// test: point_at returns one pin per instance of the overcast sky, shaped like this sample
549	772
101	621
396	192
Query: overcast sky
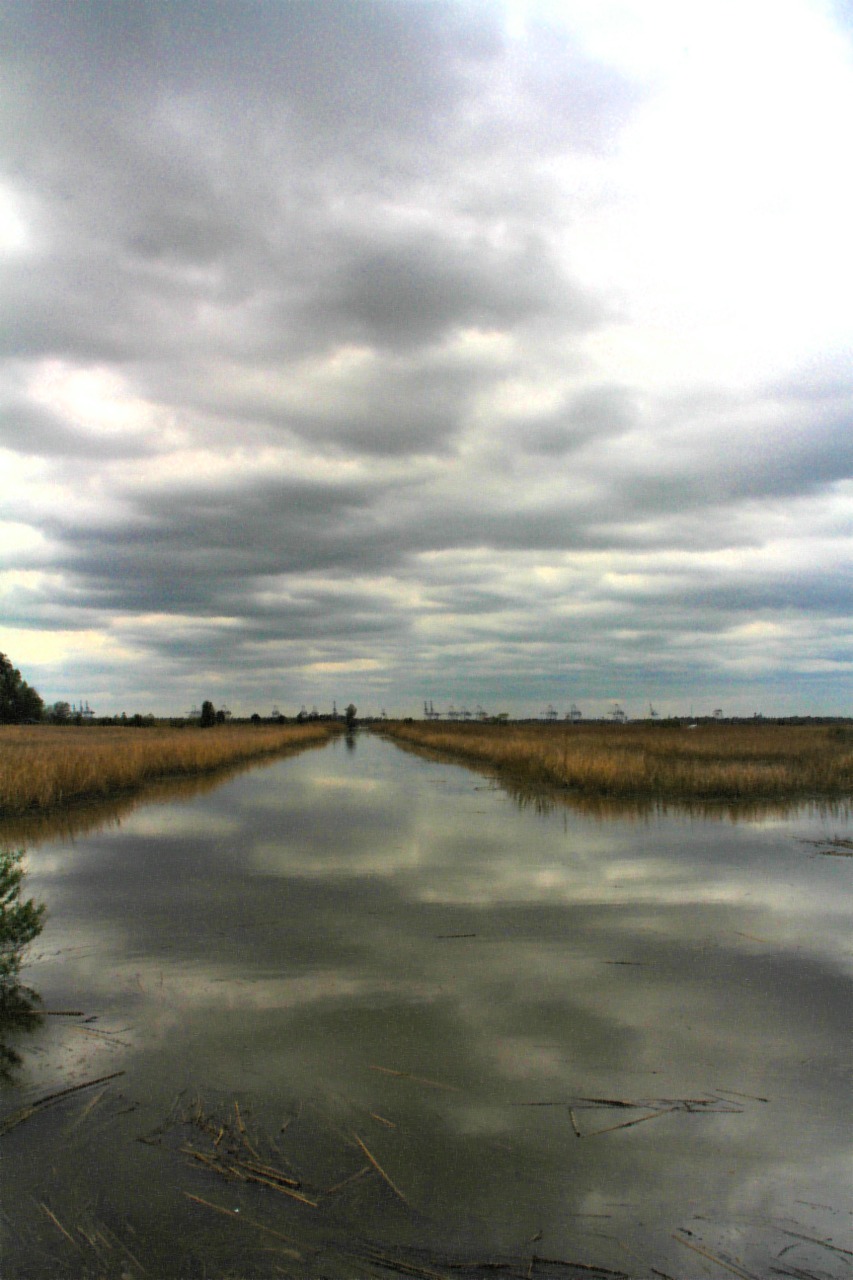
490	353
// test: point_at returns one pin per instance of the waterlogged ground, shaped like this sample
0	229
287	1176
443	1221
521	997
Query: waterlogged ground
469	1030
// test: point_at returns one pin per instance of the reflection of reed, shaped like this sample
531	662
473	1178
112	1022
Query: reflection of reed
77	817
544	795
546	799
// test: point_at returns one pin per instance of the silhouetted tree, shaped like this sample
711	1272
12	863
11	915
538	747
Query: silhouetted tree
18	701
208	715
60	712
350	715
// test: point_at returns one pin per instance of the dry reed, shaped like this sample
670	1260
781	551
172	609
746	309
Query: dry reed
711	762
43	767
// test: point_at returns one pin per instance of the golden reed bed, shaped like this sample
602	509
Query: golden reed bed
42	767
710	762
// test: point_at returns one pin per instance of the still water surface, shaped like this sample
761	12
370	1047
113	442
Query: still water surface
366	950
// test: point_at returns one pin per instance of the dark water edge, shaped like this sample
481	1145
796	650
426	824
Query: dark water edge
392	983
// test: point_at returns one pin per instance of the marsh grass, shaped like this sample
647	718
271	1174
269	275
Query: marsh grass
734	762
43	768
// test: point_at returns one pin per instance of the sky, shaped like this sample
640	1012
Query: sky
496	354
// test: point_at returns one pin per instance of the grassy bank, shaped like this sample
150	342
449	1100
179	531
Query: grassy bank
44	767
711	762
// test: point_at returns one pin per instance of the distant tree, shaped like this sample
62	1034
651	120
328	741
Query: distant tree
255	718
60	712
208	715
18	701
350	715
221	716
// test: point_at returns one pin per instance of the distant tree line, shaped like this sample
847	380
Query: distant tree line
21	704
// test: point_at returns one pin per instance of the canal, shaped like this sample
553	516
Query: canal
356	1013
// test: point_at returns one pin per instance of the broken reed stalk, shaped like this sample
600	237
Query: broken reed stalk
248	1222
407	1075
24	1114
87	1110
274	1186
397	1265
261	1174
378	1167
353	1177
706	1253
59	1225
581	1266
50	1013
625	1124
269	1171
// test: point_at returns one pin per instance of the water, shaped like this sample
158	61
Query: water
365	950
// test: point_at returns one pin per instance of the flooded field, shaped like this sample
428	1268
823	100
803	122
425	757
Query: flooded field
360	1014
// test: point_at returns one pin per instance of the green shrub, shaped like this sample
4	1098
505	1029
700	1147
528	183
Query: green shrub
20	922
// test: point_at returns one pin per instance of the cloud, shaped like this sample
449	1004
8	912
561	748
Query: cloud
376	333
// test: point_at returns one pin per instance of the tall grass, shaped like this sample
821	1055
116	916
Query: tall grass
42	767
710	762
